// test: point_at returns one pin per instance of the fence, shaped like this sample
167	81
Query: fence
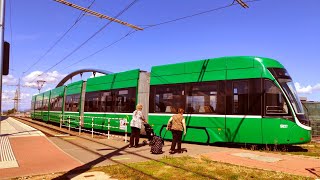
313	111
69	120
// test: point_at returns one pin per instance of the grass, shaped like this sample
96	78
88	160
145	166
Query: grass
312	149
309	149
184	168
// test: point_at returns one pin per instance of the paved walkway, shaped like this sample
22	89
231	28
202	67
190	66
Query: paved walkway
25	151
291	164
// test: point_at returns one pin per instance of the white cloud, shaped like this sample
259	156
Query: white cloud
97	75
9	80
308	89
316	87
8	95
31	80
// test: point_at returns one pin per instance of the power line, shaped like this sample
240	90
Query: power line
54	44
96	52
151	26
197	14
92	36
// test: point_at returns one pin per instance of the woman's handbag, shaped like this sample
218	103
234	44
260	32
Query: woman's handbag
169	126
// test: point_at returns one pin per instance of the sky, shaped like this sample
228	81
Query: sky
42	48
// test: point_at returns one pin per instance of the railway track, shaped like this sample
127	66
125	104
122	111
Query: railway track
83	142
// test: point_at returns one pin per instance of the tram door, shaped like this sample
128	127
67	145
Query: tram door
243	116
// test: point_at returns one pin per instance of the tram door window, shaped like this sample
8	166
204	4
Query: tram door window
240	97
275	103
255	96
221	100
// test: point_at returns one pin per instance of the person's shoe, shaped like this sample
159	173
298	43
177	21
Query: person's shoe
179	151
171	152
135	146
130	146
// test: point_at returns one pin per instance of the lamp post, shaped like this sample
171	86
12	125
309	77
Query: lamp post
40	84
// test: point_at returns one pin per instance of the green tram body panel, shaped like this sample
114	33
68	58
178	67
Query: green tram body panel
46	103
33	101
74	88
248	129
100	121
127	79
203	128
56	116
38	111
113	81
69	116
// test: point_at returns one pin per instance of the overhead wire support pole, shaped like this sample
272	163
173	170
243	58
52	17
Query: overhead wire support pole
98	14
2	9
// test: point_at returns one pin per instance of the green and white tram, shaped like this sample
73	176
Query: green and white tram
229	99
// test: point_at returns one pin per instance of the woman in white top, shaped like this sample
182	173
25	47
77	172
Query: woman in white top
135	124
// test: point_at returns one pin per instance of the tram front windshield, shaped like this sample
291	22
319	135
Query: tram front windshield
285	81
290	90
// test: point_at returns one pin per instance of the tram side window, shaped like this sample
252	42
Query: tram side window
125	100
68	103
76	100
32	105
201	98
56	104
107	101
275	103
167	98
92	102
38	105
72	103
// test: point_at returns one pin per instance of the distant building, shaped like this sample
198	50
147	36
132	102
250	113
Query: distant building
303	99
312	108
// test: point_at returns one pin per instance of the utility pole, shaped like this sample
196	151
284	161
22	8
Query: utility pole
2	8
40	84
17	97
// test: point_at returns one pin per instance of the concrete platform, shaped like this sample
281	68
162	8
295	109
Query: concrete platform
25	151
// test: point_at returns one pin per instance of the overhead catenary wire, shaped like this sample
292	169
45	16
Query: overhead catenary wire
96	52
197	14
82	44
81	15
152	26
